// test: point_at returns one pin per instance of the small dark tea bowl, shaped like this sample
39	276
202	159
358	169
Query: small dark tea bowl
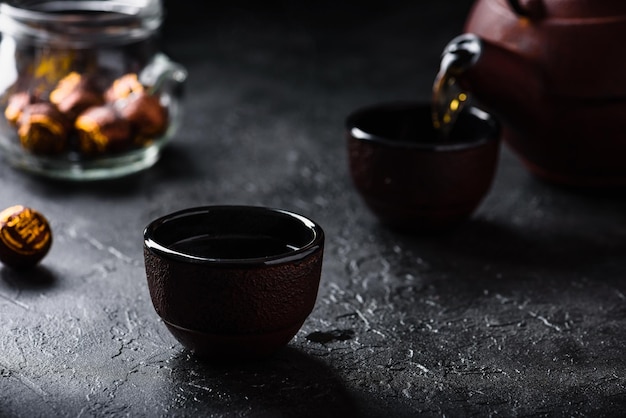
233	281
409	175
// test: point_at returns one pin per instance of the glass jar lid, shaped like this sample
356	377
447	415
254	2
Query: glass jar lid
80	23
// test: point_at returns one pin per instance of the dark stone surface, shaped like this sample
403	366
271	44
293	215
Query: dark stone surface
519	312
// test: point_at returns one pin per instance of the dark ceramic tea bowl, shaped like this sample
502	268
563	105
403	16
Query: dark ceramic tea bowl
233	281
411	177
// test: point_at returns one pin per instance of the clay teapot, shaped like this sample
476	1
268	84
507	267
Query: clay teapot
554	72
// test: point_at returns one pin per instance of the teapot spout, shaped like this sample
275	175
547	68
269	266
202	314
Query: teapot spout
500	80
461	54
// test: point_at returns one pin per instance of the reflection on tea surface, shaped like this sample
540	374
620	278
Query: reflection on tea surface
232	247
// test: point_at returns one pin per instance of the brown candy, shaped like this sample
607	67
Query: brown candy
101	129
16	104
80	116
43	129
123	87
76	93
146	114
25	237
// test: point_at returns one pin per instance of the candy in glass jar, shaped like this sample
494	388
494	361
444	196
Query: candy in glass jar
85	91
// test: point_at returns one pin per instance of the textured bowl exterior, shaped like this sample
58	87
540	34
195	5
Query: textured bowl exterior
420	189
233	300
234	347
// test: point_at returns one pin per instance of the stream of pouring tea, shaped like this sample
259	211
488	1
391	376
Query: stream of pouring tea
447	102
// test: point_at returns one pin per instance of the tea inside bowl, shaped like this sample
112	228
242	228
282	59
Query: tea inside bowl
231	234
232	247
412	125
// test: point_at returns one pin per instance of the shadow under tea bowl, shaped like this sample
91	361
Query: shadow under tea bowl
409	175
233	281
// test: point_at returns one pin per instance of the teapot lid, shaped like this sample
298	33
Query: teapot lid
568	9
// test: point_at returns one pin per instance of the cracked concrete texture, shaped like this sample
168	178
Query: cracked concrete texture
518	312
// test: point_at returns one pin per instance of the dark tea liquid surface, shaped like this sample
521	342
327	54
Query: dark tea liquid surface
232	247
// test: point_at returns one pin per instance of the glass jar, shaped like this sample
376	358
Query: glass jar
84	90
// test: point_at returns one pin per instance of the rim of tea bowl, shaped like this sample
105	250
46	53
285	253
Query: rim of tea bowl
415	185
231	307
